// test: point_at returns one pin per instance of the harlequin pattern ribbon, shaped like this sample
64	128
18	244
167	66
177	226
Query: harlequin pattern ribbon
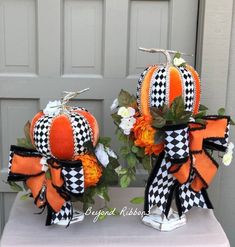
185	168
66	178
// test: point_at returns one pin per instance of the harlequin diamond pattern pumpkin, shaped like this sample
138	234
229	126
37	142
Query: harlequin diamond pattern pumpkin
161	84
64	134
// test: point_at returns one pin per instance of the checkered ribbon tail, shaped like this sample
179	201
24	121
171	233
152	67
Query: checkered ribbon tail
177	143
74	179
162	186
66	213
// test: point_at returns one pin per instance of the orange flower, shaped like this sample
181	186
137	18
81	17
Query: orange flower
144	135
92	171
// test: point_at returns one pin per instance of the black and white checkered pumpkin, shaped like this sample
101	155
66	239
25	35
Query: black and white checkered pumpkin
63	136
161	84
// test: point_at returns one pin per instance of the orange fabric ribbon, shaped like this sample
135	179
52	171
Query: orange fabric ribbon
29	167
204	166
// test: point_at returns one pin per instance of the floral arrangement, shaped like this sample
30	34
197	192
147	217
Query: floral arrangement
166	130
63	159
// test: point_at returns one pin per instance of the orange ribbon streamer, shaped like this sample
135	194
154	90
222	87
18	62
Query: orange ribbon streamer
36	179
200	160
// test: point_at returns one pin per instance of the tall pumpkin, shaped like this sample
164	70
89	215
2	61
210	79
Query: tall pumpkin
63	135
161	84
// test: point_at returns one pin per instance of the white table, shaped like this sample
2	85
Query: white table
24	228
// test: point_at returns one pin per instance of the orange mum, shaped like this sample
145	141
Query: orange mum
144	135
92	171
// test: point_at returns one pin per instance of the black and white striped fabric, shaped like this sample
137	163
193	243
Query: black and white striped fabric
65	213
177	143
189	91
139	84
161	186
82	132
158	87
189	198
40	134
74	179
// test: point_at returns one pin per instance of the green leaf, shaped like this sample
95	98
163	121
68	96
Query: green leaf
177	55
232	122
124	151
48	174
116	118
169	116
124	98
102	192
102	216
200	114
25	197
147	164
156	112
134	149
137	200
177	107
221	111
125	181
105	141
201	121
131	160
140	153
15	187
158	122
203	108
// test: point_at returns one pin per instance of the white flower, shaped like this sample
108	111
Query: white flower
101	155
127	124
230	147
126	112
114	105
227	158
110	152
52	108
43	162
178	61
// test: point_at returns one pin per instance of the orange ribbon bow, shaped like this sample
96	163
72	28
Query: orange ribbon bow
205	167
25	165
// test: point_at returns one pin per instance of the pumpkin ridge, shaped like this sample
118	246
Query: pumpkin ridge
74	130
197	86
59	125
39	141
139	86
144	93
187	93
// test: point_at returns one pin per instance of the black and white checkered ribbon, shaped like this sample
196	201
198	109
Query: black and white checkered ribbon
177	143
162	185
74	179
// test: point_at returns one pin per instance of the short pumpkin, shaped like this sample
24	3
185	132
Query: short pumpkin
63	136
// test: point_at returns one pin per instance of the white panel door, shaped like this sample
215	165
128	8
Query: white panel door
54	45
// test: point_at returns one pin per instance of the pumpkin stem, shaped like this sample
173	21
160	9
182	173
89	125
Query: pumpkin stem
70	95
165	52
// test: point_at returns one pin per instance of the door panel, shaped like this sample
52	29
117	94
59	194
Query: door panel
50	46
